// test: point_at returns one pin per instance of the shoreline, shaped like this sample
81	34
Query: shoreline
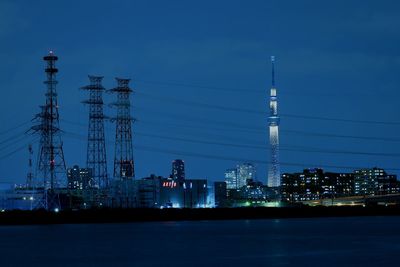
42	217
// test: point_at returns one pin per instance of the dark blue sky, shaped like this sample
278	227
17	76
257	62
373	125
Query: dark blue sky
337	59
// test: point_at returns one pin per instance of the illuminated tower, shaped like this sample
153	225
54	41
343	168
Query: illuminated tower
274	175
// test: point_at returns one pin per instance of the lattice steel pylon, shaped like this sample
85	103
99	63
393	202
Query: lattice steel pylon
29	176
51	164
96	147
124	168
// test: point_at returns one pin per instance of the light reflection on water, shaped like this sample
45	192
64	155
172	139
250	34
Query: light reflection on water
369	241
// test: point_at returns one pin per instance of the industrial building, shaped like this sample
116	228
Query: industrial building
220	194
80	178
161	192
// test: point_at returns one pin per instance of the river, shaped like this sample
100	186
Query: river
364	241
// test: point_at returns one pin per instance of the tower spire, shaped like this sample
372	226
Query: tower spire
273	71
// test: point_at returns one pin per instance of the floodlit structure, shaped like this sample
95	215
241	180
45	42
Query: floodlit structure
274	174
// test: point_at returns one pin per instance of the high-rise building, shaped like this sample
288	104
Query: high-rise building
231	179
238	177
178	170
245	172
79	178
274	176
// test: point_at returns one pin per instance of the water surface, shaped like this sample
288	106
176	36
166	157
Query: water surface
368	241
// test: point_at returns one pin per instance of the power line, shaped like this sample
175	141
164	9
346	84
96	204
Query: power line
247	90
342	136
283	148
18	149
290	148
197	128
198	104
13	143
207	156
220	127
256	130
180	84
15	127
340	119
81	137
259	112
201	120
13	137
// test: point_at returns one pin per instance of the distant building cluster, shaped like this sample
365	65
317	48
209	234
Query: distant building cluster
314	184
241	189
174	191
238	177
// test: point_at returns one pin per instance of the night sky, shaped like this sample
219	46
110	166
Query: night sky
201	73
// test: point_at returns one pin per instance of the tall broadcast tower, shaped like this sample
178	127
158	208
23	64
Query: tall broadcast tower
274	173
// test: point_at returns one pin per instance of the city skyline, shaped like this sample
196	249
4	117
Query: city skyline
178	95
249	133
